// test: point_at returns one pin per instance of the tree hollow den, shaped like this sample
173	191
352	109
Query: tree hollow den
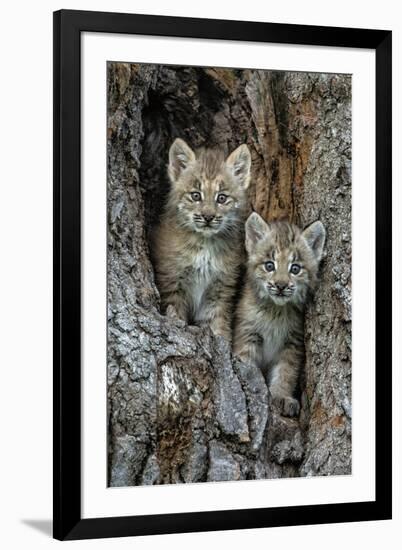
180	408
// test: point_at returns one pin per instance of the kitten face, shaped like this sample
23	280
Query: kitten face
208	193
283	261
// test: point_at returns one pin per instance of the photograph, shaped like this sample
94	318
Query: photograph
229	274
200	313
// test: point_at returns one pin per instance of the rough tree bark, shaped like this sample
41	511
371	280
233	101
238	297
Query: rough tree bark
180	408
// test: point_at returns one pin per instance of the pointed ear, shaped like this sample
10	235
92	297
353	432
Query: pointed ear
239	163
256	230
180	156
315	237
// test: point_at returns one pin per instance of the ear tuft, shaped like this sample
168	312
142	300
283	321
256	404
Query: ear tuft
239	163
180	156
256	230
315	237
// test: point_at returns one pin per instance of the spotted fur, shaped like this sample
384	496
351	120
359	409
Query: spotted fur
198	246
282	271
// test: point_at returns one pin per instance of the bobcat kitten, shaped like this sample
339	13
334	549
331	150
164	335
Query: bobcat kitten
282	270
199	243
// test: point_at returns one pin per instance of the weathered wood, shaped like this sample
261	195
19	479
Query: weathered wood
180	409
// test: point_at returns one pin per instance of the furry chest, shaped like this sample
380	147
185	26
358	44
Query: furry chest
205	268
275	334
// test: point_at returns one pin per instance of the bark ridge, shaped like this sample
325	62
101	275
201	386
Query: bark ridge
180	409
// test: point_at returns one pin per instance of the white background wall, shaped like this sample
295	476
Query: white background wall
26	269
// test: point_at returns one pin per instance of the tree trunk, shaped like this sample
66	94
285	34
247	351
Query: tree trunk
180	408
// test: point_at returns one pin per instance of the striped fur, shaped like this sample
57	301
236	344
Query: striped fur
198	247
270	314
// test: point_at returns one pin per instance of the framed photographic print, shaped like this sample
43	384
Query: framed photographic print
216	185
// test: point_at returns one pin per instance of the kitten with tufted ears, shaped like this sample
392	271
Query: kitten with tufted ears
282	272
198	245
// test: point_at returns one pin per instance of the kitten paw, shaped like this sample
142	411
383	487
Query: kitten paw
171	313
223	334
288	406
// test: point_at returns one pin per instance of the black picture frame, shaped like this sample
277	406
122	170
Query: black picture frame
68	26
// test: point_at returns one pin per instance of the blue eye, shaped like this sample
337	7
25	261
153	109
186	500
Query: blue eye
295	269
221	198
196	196
269	266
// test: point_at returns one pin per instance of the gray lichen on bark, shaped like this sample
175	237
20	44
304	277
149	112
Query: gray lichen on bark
180	408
